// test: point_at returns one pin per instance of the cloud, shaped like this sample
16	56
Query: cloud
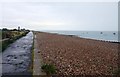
59	0
61	15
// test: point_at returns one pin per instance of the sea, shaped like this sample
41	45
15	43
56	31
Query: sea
111	36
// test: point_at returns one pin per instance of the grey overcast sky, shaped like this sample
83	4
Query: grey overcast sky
85	15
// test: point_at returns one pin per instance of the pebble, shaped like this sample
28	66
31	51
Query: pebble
70	52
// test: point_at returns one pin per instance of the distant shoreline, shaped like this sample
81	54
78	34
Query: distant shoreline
71	35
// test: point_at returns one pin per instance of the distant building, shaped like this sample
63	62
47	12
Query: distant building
18	27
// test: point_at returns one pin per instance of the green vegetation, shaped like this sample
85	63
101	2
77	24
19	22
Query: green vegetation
116	72
13	33
49	69
0	41
9	36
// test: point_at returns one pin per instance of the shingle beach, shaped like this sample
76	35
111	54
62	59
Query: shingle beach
73	55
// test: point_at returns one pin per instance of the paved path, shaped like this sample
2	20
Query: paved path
37	60
17	57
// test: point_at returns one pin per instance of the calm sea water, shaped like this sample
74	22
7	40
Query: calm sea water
98	35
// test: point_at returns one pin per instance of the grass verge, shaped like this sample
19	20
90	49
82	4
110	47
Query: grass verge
7	42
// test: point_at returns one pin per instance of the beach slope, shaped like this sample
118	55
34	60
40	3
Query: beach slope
77	56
